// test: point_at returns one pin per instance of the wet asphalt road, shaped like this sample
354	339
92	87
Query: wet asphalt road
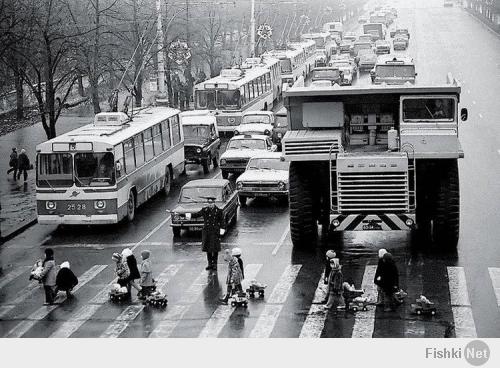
462	283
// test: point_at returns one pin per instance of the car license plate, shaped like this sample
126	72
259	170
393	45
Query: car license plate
76	207
196	228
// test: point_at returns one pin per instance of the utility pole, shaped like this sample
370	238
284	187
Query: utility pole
252	29
161	61
187	74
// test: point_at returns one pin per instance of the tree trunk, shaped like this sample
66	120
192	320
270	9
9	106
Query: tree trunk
94	95
138	90
19	93
81	90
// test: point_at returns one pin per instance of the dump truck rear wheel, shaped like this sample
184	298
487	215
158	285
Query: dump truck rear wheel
447	216
303	224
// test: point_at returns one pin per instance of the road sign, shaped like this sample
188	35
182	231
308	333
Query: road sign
265	31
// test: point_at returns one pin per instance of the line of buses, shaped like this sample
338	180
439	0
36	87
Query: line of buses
100	173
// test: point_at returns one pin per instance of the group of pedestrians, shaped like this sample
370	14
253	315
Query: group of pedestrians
386	278
128	272
19	164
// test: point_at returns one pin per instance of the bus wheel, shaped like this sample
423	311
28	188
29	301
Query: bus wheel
167	182
131	207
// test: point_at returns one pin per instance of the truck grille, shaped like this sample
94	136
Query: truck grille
373	192
307	143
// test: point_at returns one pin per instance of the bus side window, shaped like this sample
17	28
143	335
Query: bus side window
128	148
176	129
157	139
165	133
139	150
120	161
148	144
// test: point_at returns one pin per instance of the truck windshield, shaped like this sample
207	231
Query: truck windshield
281	121
441	109
55	170
94	169
200	195
398	71
195	131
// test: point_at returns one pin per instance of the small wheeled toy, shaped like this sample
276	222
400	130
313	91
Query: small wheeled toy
256	287
36	271
239	299
359	303
423	306
146	291
399	296
119	293
353	298
156	299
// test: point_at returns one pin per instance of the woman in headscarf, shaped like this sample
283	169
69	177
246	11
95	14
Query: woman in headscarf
66	280
129	257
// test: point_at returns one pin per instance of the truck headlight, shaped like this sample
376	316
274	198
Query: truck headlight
409	222
280	135
267	132
281	185
239	185
99	204
198	150
335	223
50	205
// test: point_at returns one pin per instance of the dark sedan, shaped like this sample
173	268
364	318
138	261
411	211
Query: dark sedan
194	196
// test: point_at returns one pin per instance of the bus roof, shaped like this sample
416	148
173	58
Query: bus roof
113	134
233	80
372	90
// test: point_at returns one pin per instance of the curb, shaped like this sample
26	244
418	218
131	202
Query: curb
18	231
483	22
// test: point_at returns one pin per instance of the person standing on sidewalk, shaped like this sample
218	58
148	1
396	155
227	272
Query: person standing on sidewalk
48	276
23	164
13	162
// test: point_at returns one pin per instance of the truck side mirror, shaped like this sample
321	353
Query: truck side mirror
464	114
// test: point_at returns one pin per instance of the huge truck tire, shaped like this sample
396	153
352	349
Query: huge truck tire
303	223
426	200
447	214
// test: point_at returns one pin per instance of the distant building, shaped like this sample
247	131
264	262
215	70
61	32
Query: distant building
488	10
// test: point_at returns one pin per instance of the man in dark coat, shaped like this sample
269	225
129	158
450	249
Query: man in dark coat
13	162
23	165
213	228
389	281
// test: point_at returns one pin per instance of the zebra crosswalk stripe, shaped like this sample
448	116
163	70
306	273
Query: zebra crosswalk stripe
460	303
495	281
266	321
316	316
414	328
131	312
175	313
21	297
42	312
364	323
223	312
12	275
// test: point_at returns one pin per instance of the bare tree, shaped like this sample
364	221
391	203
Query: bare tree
211	40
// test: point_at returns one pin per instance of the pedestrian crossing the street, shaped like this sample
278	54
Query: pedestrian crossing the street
265	313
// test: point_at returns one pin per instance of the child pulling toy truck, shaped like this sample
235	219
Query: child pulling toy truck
354	301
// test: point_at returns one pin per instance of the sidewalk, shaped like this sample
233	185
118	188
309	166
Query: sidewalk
18	199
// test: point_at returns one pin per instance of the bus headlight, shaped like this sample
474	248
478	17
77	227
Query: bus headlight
281	185
99	204
239	185
198	150
50	205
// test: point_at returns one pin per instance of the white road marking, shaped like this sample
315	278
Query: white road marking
175	313
131	312
316	317
15	273
267	319
42	312
495	281
222	314
24	294
460	303
148	235
364	322
281	241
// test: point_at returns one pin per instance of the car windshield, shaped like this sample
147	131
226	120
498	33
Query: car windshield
258	144
398	71
55	170
94	169
195	131
286	66
442	109
281	121
365	52
252	119
267	164
200	195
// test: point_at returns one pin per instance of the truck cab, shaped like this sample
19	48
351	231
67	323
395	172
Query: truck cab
384	157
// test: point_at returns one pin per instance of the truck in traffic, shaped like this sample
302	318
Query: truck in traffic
374	158
377	30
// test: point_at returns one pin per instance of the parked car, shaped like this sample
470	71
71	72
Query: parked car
194	196
240	149
266	175
201	139
256	122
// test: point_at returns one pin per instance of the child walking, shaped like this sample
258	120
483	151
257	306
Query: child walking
147	282
335	286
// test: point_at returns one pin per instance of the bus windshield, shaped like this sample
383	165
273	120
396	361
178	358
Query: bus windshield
267	164
400	71
200	195
94	169
286	66
247	144
442	109
55	170
205	100
228	99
